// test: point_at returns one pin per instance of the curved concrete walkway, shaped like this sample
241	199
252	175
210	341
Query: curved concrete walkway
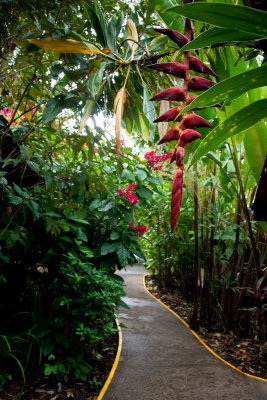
162	360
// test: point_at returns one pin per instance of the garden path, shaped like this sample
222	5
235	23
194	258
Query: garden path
162	360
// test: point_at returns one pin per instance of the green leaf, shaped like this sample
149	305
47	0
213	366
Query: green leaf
87	111
231	16
255	143
113	29
114	235
48	346
219	35
140	174
123	255
108	247
149	111
4	258
53	108
158	44
105	205
81	221
167	15
238	122
52	214
144	193
97	22
231	88
95	80
126	173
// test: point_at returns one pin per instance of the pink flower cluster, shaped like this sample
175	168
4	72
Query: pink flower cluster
153	160
9	114
139	230
127	192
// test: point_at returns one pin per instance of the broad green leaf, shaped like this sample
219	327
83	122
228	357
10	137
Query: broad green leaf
123	254
95	80
54	107
140	174
105	205
219	35
158	44
149	111
241	18
97	22
170	18
109	247
255	142
113	29
65	46
87	111
126	173
238	122
114	235
231	88
144	193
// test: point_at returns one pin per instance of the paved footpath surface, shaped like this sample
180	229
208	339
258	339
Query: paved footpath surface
162	360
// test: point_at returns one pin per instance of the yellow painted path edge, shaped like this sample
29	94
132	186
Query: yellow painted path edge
115	364
198	337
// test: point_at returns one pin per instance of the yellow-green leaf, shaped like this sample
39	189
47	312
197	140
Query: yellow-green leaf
66	46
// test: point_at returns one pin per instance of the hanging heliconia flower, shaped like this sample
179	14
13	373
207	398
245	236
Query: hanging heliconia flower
185	132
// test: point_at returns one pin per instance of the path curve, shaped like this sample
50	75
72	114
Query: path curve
162	360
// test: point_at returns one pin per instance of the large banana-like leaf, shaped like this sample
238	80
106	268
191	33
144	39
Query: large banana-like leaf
164	10
231	88
255	141
231	16
66	46
238	122
219	35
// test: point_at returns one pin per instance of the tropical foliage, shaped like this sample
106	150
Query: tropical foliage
75	201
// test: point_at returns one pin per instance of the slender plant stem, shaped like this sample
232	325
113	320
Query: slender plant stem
244	202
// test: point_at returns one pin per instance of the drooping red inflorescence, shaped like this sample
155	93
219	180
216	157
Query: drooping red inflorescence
183	133
177	194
